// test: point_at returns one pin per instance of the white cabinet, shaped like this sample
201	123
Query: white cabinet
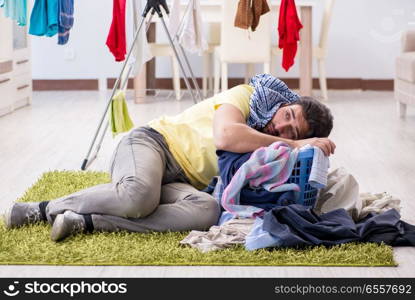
6	92
22	73
15	66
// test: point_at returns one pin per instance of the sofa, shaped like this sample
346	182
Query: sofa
404	85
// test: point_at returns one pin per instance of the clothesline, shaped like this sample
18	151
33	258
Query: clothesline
51	17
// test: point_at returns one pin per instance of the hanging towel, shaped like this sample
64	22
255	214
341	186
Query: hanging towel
116	40
249	12
44	18
244	15
174	17
269	94
66	8
142	52
16	10
289	26
120	119
269	168
192	38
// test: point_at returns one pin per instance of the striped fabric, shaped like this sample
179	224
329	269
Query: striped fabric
268	168
66	9
269	94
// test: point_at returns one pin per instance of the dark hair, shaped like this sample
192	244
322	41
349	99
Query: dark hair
317	115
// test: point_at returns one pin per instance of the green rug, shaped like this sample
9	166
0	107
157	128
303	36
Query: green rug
32	245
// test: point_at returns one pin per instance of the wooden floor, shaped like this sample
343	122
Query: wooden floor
54	133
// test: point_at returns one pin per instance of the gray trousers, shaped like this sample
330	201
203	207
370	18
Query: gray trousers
148	192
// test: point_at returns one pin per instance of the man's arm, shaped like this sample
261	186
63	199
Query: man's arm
231	133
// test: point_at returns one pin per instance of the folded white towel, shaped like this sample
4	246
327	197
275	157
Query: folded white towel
319	169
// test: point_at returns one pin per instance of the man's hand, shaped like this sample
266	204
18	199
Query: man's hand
323	143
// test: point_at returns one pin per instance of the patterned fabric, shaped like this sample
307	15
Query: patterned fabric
65	20
269	168
269	94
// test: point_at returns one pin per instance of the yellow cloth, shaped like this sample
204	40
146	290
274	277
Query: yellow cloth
120	119
189	134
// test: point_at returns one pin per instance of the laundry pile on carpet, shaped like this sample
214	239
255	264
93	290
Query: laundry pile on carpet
32	245
260	210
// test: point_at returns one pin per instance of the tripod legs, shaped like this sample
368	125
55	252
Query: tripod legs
180	63
86	161
114	89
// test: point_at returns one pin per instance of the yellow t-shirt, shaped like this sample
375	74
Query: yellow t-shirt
189	134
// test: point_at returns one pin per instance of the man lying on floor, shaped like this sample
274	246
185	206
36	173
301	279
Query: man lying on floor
157	171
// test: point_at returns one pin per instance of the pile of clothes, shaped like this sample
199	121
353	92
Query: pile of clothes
341	214
260	209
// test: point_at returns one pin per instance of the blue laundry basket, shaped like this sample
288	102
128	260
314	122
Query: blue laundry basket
300	175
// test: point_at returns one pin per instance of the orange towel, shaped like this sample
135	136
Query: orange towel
289	26
249	13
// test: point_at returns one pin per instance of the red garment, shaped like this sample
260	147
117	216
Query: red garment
289	26
116	40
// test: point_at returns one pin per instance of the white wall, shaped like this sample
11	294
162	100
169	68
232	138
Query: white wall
363	42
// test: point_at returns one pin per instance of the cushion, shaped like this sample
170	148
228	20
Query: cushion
405	66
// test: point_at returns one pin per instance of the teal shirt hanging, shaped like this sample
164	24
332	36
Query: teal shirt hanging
44	18
16	10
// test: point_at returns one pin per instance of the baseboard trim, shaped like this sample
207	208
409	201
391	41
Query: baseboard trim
111	82
166	83
65	85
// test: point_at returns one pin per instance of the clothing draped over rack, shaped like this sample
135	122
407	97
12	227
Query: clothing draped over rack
15	10
66	8
248	15
51	17
142	51
249	12
191	36
44	18
174	18
289	26
116	40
